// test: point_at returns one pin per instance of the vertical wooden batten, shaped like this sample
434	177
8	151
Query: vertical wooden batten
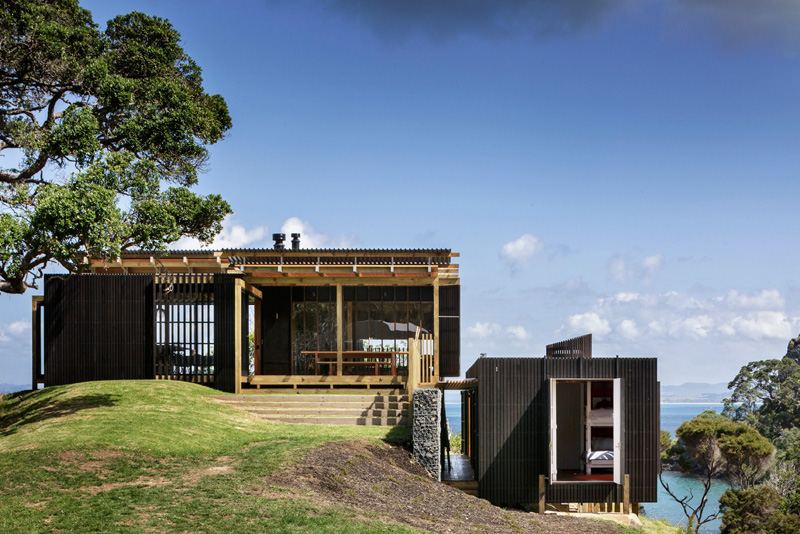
436	310
339	328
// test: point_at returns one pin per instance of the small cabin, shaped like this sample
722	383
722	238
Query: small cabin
566	428
253	318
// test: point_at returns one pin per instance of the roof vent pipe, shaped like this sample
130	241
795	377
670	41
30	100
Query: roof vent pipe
295	241
279	239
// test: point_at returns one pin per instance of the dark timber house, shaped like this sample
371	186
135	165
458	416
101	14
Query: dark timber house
316	318
566	428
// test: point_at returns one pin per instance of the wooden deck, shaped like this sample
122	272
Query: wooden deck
459	474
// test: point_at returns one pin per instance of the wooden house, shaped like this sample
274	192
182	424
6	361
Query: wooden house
253	318
566	428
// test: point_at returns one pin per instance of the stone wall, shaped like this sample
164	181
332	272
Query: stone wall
427	428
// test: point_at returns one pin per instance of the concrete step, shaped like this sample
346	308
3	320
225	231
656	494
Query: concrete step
369	421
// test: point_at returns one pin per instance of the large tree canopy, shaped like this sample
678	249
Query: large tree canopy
102	133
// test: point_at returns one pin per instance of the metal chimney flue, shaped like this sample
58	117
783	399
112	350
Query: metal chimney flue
279	239
295	241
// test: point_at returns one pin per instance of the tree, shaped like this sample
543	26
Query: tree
756	510
766	394
712	445
102	134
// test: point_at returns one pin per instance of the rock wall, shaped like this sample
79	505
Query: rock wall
427	428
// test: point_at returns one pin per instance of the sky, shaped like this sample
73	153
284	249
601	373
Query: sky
622	168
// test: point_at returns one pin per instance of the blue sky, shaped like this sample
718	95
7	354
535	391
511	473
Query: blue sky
624	168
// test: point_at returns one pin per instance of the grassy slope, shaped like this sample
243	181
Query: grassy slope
146	456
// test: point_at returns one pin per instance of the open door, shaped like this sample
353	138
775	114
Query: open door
619	433
553	431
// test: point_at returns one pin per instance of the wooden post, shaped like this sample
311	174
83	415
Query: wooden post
626	495
36	350
436	374
339	328
413	367
541	494
257	338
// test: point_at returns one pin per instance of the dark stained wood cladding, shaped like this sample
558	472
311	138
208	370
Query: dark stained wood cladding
450	331
276	330
511	427
226	370
577	346
97	327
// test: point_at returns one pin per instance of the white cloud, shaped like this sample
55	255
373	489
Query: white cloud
518	332
488	331
767	299
617	268
761	324
700	324
651	265
309	237
623	269
19	327
627	329
16	331
232	236
591	322
481	330
521	249
696	327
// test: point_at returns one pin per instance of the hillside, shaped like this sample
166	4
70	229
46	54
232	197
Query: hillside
145	456
695	392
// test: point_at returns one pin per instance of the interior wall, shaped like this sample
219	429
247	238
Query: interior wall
569	417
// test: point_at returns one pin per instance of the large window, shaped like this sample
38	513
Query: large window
376	319
313	324
383	318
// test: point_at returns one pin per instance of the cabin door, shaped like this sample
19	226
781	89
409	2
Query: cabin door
619	432
276	331
553	448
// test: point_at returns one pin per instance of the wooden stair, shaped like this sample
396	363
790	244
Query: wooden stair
339	409
470	487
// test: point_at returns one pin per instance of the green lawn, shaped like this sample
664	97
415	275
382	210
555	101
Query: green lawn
155	456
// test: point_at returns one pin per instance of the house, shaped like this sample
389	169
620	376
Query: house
253	318
566	428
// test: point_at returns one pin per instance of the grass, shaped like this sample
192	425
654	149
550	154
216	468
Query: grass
153	456
650	526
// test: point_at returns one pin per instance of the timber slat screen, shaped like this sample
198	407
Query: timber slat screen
184	345
449	331
577	346
97	327
511	421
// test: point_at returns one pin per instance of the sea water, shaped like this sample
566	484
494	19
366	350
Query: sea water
672	415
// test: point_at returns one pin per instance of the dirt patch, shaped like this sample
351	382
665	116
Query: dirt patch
147	482
375	479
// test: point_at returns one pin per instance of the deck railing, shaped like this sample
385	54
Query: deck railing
422	364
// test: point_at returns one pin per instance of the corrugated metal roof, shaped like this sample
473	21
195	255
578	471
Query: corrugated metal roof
245	251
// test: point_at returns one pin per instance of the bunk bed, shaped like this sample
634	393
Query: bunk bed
599	426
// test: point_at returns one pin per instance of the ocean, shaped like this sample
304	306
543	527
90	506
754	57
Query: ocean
672	415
